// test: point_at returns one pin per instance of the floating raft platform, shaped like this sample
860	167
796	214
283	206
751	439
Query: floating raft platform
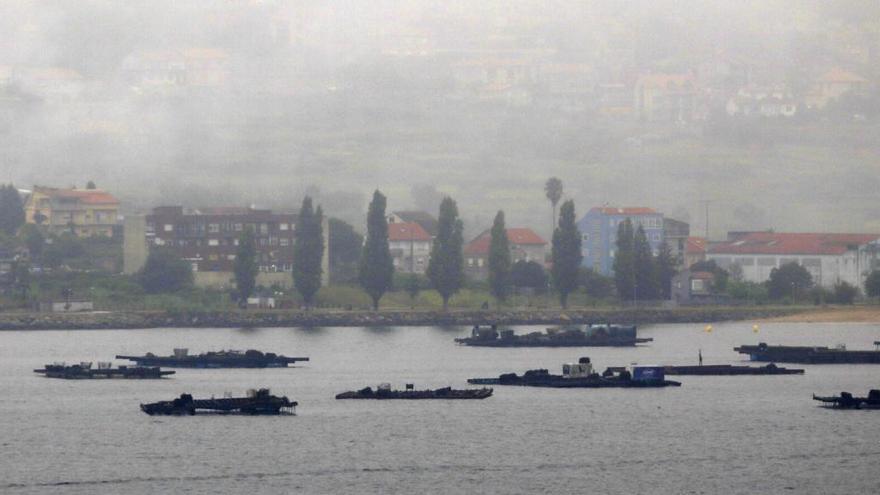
567	336
258	402
808	355
384	392
730	370
84	371
222	359
846	400
581	375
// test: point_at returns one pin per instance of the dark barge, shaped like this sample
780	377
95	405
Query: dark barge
567	336
84	371
257	402
222	359
730	370
384	392
846	401
808	355
581	375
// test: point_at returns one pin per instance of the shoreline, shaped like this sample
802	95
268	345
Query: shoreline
275	318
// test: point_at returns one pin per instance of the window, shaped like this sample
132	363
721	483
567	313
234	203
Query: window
169	227
230	257
213	228
698	285
239	227
235	242
470	262
262	241
284	241
282	226
585	237
264	228
479	261
213	242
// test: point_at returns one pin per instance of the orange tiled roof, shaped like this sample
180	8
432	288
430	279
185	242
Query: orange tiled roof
792	243
516	237
407	231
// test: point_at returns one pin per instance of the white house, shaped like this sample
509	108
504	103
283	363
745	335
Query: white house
830	258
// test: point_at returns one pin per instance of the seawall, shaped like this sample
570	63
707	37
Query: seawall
318	318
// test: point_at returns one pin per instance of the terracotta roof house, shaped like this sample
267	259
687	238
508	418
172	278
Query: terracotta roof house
410	246
525	245
830	258
694	251
84	212
426	220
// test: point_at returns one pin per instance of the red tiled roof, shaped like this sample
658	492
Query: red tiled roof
409	231
516	236
839	75
792	243
695	245
629	210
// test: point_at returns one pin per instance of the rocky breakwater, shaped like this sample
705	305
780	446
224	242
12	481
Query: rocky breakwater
321	318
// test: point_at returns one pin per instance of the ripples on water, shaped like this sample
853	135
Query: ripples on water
712	435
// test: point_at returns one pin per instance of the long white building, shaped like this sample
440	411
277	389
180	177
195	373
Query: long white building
830	258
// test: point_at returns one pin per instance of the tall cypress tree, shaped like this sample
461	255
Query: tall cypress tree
664	270
624	261
446	266
308	251
245	266
499	259
566	253
646	282
11	210
376	267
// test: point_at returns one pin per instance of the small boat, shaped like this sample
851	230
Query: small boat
581	375
257	403
846	400
566	336
730	370
84	371
384	391
222	359
809	354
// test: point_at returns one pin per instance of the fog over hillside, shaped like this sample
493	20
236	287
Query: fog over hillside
258	102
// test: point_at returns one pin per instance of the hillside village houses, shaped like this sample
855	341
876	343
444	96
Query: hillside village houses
525	245
830	258
83	212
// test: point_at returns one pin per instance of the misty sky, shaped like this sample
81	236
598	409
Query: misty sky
268	100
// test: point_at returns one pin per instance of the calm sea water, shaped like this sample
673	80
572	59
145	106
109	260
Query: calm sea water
712	435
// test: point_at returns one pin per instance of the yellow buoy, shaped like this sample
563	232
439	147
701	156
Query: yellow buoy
708	328
755	328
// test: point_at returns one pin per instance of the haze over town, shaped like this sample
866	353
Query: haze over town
257	102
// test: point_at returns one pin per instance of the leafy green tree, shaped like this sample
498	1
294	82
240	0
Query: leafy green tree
11	210
33	240
664	268
624	261
499	259
790	279
245	267
413	286
528	274
164	271
446	266
566	253
872	284
845	293
376	269
308	251
596	285
646	280
344	250
553	191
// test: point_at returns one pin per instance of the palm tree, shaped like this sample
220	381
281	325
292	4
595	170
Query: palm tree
553	191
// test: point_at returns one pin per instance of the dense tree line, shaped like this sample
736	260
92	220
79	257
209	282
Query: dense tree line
638	273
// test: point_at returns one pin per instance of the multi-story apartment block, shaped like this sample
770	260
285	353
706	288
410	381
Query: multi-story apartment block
599	233
84	212
208	239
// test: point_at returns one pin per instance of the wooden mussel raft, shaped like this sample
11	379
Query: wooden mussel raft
582	375
384	392
730	370
566	336
808	355
257	403
84	371
846	400
221	359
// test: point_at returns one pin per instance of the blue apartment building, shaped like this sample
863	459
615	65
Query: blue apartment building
599	233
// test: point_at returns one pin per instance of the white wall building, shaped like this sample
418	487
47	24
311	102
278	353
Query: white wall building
830	258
